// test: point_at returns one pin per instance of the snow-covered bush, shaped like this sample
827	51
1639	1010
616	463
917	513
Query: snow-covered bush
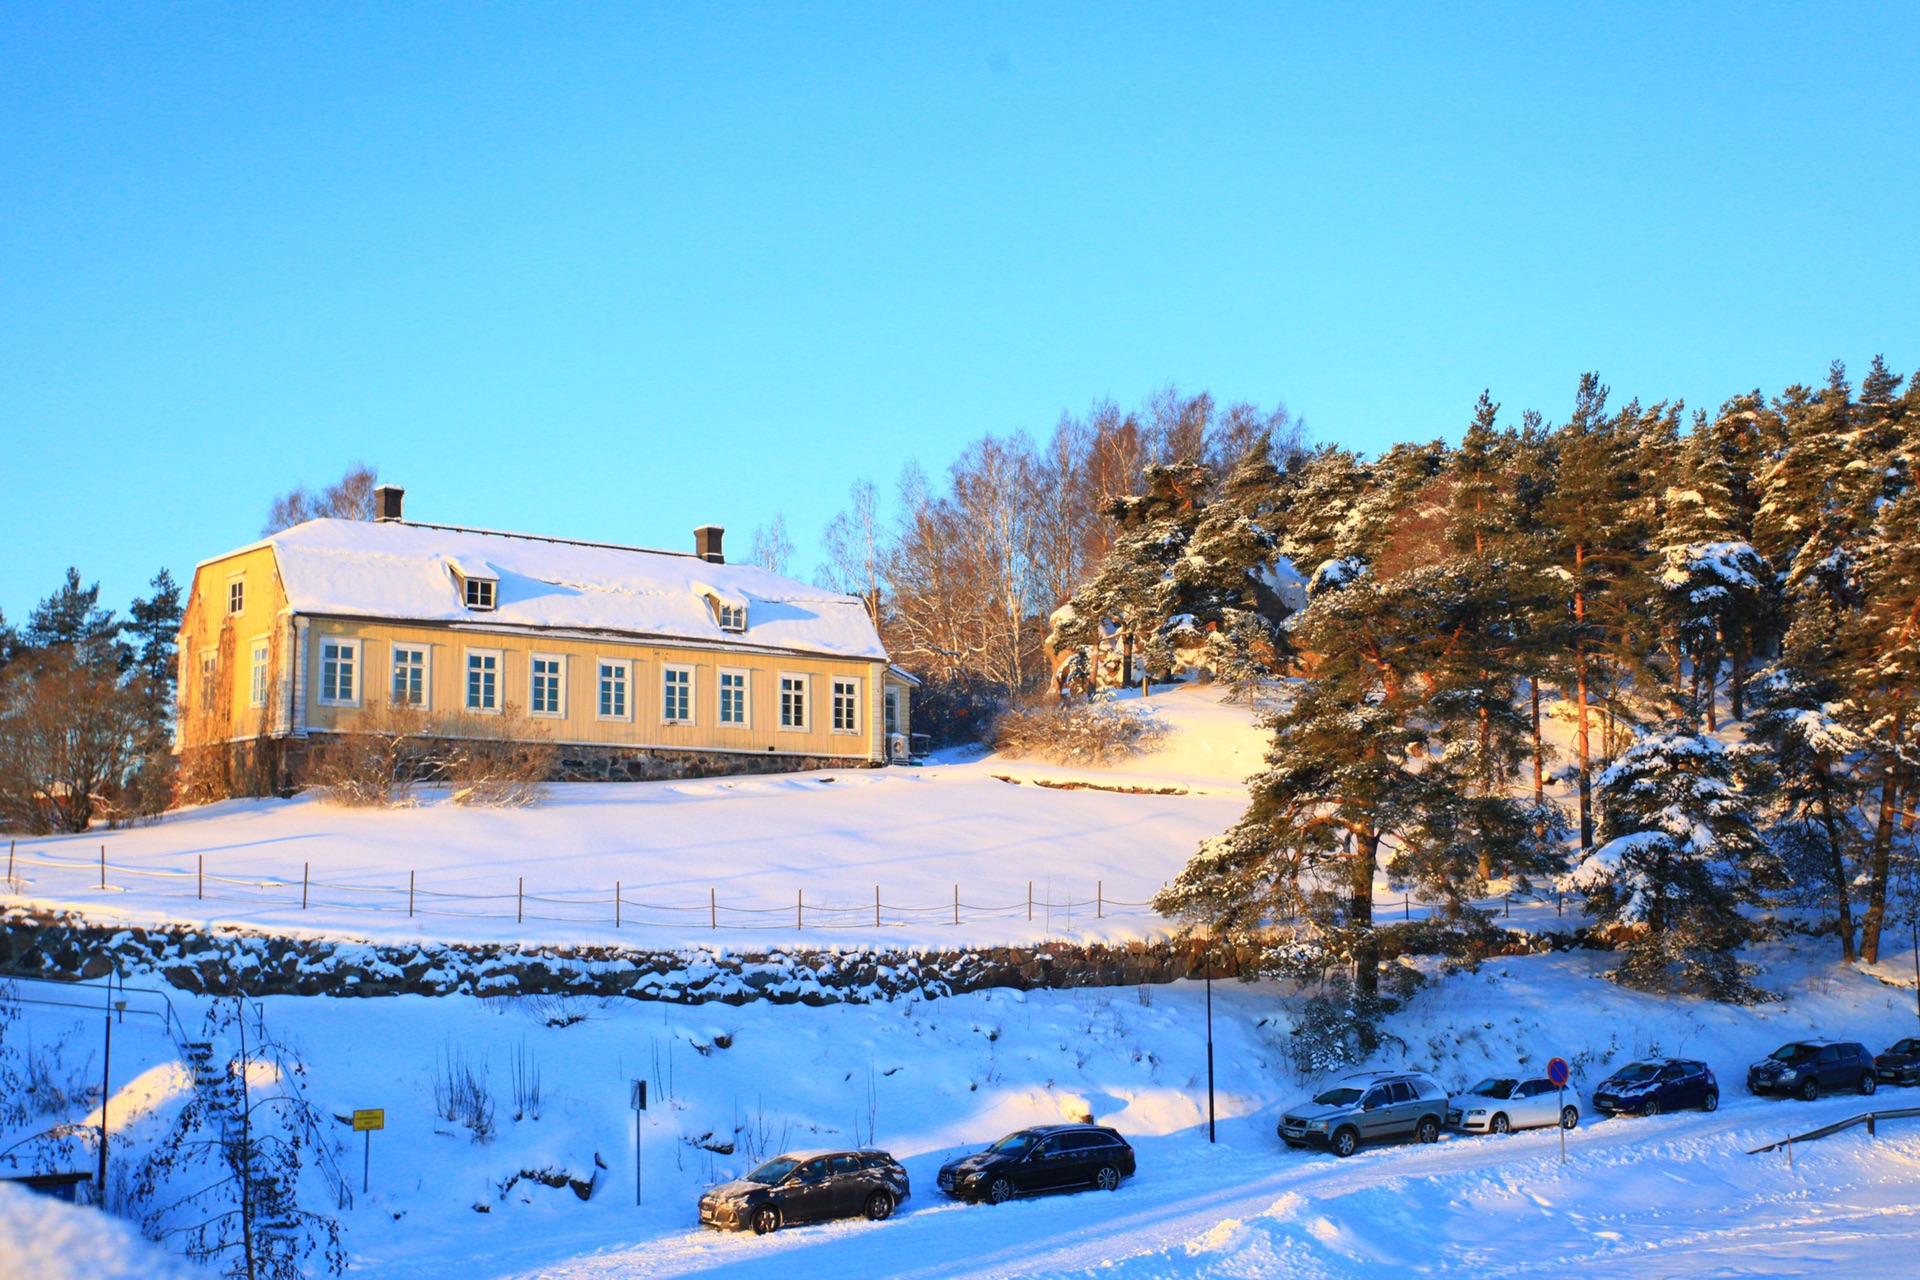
502	760
1340	1029
462	1094
1073	731
378	764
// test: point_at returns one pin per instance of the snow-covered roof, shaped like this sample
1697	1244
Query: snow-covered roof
404	571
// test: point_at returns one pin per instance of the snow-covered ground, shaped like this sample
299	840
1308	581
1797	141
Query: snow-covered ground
1672	1196
43	1239
769	859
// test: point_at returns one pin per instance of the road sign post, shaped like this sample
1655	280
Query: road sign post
637	1099
364	1123
1560	1073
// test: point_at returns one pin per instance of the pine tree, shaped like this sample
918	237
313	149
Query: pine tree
1810	751
72	619
1681	854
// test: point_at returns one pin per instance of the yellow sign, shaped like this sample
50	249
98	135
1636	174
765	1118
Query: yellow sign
366	1120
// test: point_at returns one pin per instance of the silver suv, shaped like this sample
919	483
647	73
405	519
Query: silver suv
1375	1106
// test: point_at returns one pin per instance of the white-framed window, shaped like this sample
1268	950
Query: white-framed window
733	617
261	658
339	672
547	685
846	704
411	683
893	711
793	701
483	680
676	694
734	709
209	677
616	683
480	593
236	594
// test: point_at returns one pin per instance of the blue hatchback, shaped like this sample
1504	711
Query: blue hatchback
1656	1085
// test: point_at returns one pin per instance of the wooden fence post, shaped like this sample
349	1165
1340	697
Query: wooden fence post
876	906
520	901
103	882
306	870
799	908
1029	902
713	909
200	880
616	904
409	895
1099	899
9	864
956	904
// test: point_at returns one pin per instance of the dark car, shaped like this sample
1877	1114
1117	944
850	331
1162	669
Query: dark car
1374	1106
1061	1157
1901	1063
808	1186
1808	1068
1656	1085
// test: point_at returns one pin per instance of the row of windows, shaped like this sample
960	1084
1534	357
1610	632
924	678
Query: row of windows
342	677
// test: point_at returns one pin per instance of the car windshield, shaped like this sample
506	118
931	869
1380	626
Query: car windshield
1494	1088
1906	1046
1339	1097
1637	1073
1012	1142
1794	1053
773	1170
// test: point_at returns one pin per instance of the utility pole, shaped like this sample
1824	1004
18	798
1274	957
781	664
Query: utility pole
106	1093
1211	1136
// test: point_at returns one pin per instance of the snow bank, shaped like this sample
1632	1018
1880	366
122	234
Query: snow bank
44	1239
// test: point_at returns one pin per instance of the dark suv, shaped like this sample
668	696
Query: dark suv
1375	1106
1061	1157
807	1186
1901	1063
1656	1085
1808	1068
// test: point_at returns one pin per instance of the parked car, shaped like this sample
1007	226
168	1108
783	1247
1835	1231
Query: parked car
808	1186
1060	1157
1901	1063
1374	1106
1656	1085
1808	1068
1500	1103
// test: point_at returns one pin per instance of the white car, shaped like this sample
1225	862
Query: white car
1500	1103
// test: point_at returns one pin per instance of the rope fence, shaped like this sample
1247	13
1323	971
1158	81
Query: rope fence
612	906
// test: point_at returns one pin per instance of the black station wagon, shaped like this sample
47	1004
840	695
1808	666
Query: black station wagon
1054	1158
808	1186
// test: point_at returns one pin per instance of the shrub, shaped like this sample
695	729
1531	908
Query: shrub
1071	730
504	761
378	763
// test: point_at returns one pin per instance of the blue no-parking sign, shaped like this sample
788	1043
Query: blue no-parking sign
1558	1072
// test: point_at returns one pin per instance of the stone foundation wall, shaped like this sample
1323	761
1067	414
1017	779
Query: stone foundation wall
634	764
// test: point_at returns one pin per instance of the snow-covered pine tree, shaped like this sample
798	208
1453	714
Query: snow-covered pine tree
1880	672
1681	853
1809	753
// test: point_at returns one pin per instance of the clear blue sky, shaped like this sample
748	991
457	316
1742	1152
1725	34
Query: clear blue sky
614	272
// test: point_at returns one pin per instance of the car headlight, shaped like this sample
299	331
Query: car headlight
1317	1125
1479	1111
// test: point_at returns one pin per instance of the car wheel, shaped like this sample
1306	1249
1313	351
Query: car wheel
1429	1130
1500	1124
1108	1179
999	1191
1711	1102
1346	1142
1810	1091
1569	1117
766	1220
1868	1083
1652	1108
880	1206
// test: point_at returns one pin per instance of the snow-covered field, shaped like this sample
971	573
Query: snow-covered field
1671	1196
766	859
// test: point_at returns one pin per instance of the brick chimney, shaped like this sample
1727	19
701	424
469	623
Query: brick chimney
386	502
706	543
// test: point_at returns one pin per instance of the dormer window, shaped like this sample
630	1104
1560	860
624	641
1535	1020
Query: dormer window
480	593
733	617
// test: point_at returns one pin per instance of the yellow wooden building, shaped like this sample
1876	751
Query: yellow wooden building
637	663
